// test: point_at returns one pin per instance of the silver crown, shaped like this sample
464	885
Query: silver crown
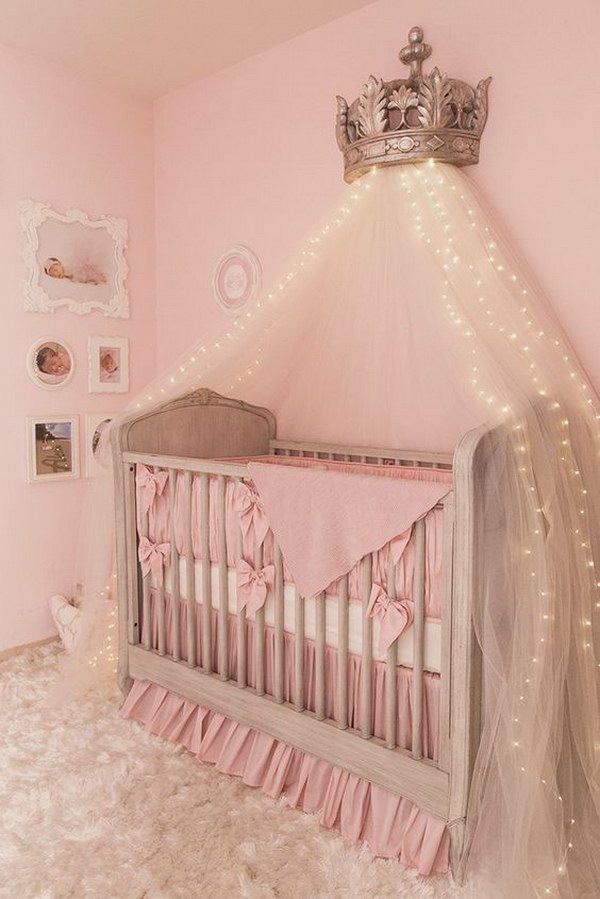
412	119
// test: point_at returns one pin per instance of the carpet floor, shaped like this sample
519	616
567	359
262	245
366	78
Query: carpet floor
91	806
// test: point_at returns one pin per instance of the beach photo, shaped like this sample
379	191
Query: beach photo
53	448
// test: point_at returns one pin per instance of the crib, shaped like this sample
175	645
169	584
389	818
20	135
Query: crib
312	672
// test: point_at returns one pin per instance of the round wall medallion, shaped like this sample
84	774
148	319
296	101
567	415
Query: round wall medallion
236	279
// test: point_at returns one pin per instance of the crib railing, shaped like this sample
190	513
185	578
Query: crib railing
403	771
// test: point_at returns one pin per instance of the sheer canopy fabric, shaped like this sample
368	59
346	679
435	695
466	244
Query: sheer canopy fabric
405	321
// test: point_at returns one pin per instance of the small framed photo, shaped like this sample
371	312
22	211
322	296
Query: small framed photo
236	279
53	448
95	426
108	364
73	261
50	363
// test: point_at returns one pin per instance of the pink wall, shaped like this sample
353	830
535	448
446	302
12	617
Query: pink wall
249	155
71	144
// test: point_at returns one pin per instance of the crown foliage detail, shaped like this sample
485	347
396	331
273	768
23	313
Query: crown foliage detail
412	119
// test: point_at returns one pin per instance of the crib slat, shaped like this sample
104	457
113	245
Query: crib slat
223	577
320	656
190	581
418	640
160	599
448	552
146	596
259	633
175	593
391	662
279	647
206	578
299	653
241	619
160	612
342	672
132	611
367	648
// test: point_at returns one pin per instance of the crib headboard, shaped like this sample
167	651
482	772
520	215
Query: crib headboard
201	424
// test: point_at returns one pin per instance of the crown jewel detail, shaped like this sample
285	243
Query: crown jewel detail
412	119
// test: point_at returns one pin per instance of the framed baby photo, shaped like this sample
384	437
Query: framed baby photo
95	426
52	448
236	279
50	363
74	262
108	364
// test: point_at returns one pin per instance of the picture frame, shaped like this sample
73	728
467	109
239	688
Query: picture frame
108	361
94	425
52	448
50	363
236	279
73	261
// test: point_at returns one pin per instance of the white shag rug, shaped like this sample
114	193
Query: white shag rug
92	806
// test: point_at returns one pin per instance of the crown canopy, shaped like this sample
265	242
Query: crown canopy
412	119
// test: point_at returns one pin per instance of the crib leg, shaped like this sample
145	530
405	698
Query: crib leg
125	684
456	830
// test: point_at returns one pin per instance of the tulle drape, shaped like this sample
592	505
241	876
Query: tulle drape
405	321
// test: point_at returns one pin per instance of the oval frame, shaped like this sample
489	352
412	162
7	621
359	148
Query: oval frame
229	300
33	371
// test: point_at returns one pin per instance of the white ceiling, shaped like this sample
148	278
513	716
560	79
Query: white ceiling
149	47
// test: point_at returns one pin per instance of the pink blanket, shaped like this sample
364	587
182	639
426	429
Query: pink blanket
326	521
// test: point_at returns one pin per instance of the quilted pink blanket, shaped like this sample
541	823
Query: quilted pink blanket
326	521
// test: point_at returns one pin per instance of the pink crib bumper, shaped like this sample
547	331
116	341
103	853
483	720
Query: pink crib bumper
391	826
155	494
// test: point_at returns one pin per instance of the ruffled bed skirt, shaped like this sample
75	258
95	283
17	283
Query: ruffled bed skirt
391	826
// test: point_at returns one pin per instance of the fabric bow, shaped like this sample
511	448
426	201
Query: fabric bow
395	615
151	484
253	585
250	509
153	556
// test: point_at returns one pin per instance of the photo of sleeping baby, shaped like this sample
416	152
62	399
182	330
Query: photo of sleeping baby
76	262
50	363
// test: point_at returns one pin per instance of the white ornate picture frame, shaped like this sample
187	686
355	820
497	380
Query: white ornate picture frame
95	424
236	279
108	360
52	448
74	262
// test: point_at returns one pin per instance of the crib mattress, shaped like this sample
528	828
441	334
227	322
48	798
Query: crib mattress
433	637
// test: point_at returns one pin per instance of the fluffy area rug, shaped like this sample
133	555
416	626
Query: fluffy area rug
91	806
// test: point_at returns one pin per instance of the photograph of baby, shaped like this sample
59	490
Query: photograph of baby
50	363
74	261
82	273
110	357
109	364
53	448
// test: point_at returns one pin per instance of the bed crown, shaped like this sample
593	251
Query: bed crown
412	119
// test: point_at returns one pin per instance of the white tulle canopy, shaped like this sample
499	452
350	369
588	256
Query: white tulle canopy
405	321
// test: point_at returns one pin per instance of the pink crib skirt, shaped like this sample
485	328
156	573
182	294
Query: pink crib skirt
431	682
391	826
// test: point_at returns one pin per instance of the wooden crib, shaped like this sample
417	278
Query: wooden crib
186	439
